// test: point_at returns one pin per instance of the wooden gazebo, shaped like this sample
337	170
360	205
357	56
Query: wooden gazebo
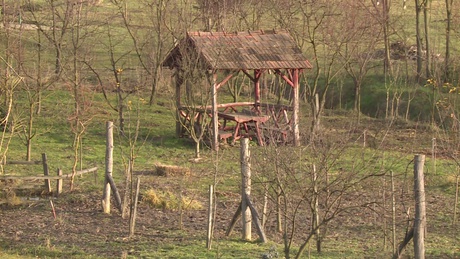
252	53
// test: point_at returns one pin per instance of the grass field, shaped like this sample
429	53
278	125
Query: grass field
81	230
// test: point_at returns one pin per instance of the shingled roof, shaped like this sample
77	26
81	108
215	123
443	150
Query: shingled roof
241	50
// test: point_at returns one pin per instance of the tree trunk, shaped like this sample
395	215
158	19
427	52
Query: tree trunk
197	148
386	35
279	225
419	41
315	211
427	41
448	29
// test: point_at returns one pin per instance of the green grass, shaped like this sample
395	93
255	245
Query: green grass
159	144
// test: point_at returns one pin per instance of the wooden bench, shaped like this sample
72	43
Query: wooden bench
225	134
275	134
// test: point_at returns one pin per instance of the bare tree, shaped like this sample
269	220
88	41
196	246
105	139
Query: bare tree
37	80
418	35
428	70
8	85
383	17
80	30
194	114
447	67
359	46
123	83
55	25
10	78
149	51
324	37
311	188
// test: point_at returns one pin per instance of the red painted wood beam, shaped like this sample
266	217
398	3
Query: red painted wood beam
228	77
286	78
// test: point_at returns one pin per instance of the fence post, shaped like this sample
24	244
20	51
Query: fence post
108	167
420	211
59	183
210	217
46	172
245	188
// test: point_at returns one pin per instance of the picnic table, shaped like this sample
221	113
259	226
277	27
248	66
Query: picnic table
244	122
262	121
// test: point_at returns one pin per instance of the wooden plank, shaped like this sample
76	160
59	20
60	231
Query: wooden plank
49	177
23	162
219	106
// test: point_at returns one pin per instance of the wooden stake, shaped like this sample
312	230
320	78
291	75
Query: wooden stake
255	218
420	211
214	119
384	204
296	109
115	192
52	208
393	212
245	188
235	218
59	183
46	172
108	167
210	217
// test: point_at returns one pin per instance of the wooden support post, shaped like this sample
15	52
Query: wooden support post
59	183
420	211
215	119
179	81
46	172
115	192
296	109
108	167
210	218
245	188
235	218
393	213
257	75
132	219
255	217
